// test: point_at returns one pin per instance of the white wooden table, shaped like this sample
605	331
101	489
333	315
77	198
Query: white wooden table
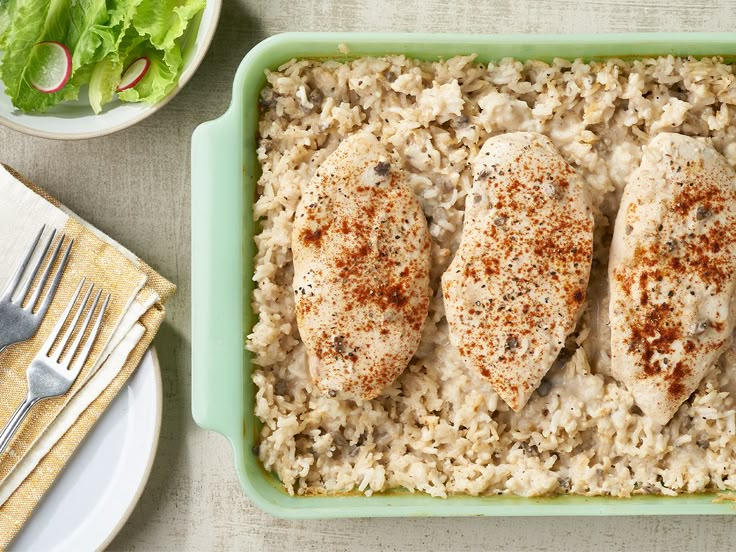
135	186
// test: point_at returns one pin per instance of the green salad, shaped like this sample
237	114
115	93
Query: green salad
52	48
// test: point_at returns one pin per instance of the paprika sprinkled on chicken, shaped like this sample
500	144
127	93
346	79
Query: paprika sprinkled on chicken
516	287
672	272
361	270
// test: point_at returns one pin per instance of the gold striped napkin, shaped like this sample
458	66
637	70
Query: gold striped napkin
55	427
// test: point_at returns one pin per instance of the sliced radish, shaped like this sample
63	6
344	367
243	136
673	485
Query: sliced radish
134	73
51	67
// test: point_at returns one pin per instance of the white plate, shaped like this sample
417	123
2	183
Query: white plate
101	484
76	120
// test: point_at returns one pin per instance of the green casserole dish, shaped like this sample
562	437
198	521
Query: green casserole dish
224	175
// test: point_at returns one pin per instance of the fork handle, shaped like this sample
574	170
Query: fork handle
15	420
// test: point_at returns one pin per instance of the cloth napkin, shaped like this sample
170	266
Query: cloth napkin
55	427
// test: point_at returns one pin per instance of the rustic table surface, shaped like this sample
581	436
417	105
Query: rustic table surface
134	186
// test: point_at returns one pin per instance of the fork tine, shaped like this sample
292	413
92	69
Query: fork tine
45	276
15	280
70	328
77	340
36	268
55	282
84	354
60	323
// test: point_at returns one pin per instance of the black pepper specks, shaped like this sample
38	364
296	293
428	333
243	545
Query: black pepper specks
382	168
703	213
551	190
338	344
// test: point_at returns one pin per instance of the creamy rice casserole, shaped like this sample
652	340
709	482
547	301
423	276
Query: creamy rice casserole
440	428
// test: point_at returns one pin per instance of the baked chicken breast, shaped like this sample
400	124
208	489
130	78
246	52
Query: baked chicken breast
361	270
516	286
672	272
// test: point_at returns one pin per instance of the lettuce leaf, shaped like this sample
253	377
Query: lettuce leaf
158	81
108	72
36	21
7	9
104	80
31	20
104	37
164	22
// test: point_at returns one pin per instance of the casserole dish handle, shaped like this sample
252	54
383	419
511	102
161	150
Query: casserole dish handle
217	276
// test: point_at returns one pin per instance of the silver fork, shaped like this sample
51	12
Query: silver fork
17	322
48	374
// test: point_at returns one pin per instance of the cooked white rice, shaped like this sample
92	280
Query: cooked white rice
439	429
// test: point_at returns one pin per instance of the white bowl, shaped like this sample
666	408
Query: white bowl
76	120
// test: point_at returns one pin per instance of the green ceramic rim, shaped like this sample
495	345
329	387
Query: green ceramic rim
224	172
